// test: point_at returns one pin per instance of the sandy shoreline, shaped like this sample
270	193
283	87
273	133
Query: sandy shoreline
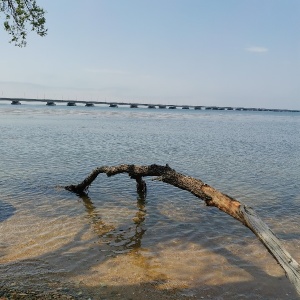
9	293
145	291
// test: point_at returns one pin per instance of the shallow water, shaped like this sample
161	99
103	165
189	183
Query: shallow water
170	245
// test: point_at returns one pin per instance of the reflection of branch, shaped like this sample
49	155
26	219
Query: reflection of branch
99	226
140	215
139	220
120	239
212	197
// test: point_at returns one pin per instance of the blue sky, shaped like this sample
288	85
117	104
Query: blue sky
212	52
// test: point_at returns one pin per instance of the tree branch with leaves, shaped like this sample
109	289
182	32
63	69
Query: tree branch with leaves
21	15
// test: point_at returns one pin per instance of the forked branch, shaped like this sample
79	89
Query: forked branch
212	197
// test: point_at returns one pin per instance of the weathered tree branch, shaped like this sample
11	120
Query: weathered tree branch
212	197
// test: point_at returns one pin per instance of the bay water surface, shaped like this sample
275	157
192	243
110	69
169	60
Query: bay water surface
111	244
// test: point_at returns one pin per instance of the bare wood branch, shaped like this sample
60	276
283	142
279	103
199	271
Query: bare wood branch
212	197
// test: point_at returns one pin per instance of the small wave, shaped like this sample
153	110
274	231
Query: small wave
6	211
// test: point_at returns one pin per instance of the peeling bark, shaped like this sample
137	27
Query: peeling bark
211	197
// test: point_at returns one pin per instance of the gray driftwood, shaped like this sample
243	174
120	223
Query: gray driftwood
212	197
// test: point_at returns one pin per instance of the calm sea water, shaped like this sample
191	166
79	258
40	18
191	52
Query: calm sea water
113	243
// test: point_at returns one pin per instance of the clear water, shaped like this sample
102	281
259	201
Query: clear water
171	244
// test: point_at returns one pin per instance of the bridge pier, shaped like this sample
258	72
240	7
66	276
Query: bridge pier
71	103
15	102
133	106
89	104
113	105
151	106
211	108
50	103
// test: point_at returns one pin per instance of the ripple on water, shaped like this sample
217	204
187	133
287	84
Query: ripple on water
6	210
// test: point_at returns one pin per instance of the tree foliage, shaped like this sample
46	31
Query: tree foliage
21	15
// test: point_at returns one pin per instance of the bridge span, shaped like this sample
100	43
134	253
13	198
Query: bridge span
52	102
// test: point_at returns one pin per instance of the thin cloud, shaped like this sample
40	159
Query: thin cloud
256	49
107	71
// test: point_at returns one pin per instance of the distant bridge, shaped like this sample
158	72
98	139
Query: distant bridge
52	102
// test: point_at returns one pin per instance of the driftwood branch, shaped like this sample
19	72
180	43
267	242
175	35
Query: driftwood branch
212	197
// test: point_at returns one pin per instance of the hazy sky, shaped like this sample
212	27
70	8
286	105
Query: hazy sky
198	52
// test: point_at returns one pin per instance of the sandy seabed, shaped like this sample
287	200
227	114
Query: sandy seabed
71	262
